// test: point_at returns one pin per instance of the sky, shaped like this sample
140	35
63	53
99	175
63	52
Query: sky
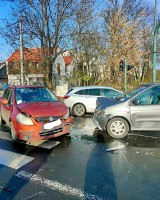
5	49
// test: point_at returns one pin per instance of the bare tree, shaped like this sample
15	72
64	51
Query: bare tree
99	32
127	31
86	41
46	24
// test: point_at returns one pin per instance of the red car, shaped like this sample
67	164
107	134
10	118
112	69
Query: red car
34	113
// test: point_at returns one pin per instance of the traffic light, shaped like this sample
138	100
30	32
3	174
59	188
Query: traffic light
122	66
129	67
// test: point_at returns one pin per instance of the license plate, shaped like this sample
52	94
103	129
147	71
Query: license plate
52	124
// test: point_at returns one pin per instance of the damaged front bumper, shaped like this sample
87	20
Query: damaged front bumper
38	132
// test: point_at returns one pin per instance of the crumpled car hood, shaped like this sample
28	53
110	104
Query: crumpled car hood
104	102
43	108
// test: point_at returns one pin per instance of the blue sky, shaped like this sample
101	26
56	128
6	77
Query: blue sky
5	49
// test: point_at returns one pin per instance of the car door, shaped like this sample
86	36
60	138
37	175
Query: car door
6	109
145	109
90	99
78	97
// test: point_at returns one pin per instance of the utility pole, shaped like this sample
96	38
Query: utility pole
21	50
154	45
125	75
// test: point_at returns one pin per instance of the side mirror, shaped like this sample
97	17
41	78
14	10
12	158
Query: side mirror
4	101
135	102
60	98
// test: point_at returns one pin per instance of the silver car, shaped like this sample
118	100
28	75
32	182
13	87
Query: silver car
138	110
82	99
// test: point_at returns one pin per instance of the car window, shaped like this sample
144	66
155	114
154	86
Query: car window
82	92
114	93
8	95
128	95
149	97
94	92
71	89
85	92
110	93
79	92
34	95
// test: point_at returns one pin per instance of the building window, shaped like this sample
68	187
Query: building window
58	69
28	64
36	65
12	64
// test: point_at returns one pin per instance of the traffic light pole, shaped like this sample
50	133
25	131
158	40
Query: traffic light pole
155	52
125	75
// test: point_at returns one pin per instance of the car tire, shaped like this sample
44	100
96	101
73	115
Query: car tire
13	134
19	144
79	109
2	122
118	127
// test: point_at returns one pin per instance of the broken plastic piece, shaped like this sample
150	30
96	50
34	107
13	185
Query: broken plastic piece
7	187
115	148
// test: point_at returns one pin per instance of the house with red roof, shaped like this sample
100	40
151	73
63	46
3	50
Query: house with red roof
63	65
33	68
3	74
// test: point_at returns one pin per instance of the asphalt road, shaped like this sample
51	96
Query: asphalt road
88	164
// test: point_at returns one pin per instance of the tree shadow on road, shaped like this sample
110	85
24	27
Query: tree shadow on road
14	185
113	164
99	179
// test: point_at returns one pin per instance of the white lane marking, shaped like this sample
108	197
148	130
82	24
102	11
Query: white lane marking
13	160
54	185
46	144
5	135
50	184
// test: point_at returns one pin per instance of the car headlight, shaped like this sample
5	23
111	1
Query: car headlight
100	113
67	114
22	119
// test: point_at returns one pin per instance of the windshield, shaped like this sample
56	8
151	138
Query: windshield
25	95
126	96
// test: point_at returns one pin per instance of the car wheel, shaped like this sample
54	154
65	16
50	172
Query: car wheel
2	122
117	127
13	134
79	109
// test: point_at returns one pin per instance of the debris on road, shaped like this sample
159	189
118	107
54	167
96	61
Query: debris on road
149	153
7	187
35	195
118	147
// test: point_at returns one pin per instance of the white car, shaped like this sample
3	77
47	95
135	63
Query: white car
82	99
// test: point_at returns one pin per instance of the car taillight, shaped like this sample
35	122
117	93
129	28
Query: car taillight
66	96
